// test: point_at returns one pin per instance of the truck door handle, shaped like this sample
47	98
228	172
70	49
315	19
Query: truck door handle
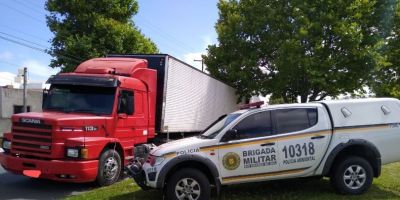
317	137
268	144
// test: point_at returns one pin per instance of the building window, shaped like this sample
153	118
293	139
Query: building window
18	109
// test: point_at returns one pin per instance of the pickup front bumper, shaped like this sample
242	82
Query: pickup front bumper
59	170
135	170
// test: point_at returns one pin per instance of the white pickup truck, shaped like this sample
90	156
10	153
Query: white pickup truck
346	140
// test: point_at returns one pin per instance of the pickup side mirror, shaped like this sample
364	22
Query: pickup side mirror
122	116
231	134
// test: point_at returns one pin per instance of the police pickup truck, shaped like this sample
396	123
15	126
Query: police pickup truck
346	140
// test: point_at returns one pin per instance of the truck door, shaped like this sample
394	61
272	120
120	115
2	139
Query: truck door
131	121
301	142
243	157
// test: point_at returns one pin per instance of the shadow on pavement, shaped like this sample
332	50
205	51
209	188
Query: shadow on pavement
21	187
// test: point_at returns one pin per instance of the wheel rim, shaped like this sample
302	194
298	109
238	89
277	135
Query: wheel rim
354	177
187	188
111	168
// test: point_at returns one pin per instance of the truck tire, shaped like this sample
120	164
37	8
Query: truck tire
353	175
109	167
188	182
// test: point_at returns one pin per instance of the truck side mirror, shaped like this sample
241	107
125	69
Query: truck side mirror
44	96
231	134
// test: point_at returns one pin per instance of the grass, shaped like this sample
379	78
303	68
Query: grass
387	186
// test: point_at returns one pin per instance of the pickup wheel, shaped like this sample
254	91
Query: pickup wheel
188	184
109	168
353	176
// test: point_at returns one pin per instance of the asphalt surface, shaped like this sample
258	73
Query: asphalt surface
21	187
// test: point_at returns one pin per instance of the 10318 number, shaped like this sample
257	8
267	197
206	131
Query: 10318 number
299	150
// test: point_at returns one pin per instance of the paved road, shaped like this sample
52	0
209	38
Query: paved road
21	187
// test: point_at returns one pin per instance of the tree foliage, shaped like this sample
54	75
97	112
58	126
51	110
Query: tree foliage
297	48
85	29
387	78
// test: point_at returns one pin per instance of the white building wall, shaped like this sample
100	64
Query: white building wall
10	97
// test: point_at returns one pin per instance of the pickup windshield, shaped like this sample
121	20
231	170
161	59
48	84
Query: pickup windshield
78	98
213	130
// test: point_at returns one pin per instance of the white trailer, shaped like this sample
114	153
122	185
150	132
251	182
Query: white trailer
188	100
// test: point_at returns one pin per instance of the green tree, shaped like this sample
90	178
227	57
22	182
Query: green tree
296	48
85	29
387	80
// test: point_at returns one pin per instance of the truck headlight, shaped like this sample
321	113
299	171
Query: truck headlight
6	145
73	153
77	152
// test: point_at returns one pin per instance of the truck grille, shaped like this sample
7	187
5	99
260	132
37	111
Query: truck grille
31	139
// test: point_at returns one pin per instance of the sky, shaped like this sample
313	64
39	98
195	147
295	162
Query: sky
181	28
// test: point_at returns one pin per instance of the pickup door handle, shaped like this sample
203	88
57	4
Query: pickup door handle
268	144
317	137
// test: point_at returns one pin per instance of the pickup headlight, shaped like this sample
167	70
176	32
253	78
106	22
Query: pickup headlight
158	160
6	145
155	160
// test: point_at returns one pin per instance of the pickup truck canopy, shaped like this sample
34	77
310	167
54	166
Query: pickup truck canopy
359	112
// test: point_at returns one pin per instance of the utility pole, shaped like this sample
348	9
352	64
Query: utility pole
202	63
25	90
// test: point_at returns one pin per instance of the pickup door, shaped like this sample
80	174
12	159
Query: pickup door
303	138
250	156
274	144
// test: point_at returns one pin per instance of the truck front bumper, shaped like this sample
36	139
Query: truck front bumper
59	170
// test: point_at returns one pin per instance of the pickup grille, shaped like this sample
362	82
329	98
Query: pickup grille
31	139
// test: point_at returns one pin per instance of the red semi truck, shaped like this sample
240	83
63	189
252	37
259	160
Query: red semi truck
93	117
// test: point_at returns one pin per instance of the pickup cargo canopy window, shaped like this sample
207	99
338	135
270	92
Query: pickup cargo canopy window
83	80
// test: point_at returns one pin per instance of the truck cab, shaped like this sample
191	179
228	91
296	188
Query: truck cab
91	120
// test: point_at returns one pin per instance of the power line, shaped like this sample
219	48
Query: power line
10	63
23	44
22	13
44	50
37	49
23	3
18	38
22	32
166	35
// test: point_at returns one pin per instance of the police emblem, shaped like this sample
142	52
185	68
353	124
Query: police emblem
231	161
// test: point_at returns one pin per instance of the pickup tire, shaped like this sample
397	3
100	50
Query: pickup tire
188	182
353	175
109	167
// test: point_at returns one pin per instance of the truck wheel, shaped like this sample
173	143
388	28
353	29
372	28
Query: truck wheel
109	168
188	184
353	176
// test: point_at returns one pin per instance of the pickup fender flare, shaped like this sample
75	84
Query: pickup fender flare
187	158
376	164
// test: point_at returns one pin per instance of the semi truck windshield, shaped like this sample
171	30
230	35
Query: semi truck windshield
78	98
